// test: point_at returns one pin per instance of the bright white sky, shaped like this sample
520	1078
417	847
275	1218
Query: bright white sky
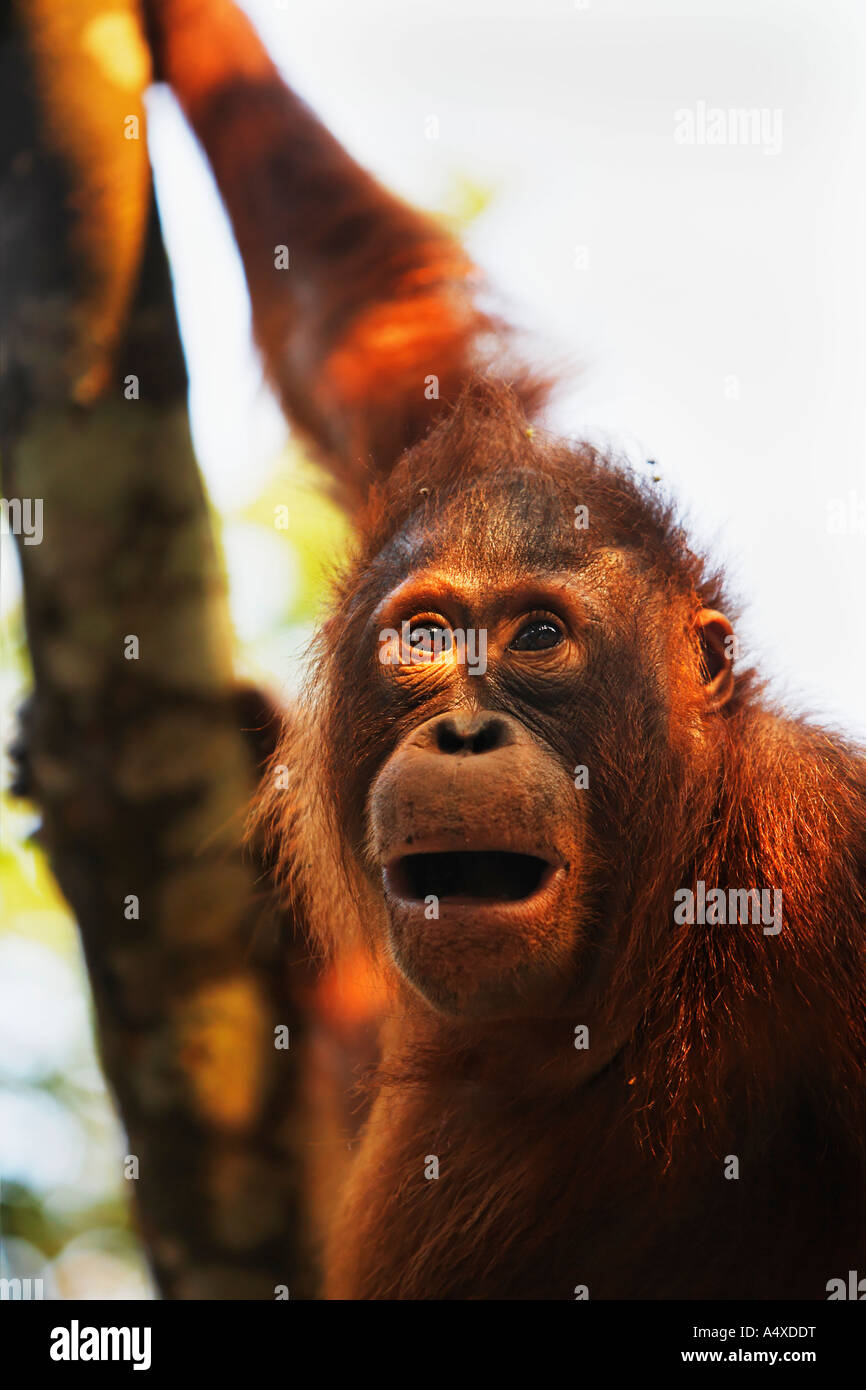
703	262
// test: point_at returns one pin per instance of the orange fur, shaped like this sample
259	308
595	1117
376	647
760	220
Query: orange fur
558	1167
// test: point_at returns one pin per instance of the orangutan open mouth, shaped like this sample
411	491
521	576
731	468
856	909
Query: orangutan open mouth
498	876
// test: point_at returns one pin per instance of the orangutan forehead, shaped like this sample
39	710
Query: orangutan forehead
513	526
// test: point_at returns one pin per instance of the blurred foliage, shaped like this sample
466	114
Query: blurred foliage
464	199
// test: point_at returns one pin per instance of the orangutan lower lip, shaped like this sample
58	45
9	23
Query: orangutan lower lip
468	876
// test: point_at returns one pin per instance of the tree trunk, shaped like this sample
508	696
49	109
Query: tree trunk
134	745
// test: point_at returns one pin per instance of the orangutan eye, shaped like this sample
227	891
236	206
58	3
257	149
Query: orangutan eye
537	636
430	636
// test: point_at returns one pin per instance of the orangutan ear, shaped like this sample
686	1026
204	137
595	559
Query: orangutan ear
716	637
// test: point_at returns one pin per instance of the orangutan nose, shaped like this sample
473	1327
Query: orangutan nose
465	732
